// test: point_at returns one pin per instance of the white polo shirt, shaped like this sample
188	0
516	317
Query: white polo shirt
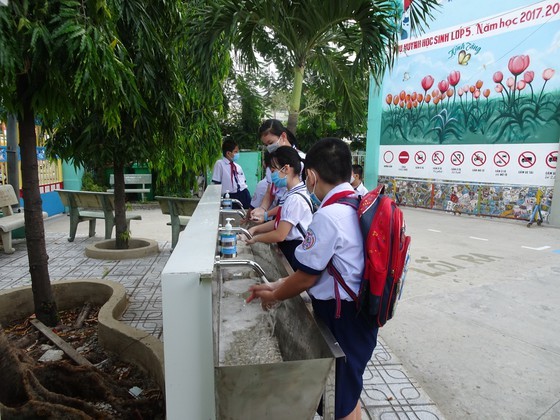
361	189
297	210
260	192
333	233
222	175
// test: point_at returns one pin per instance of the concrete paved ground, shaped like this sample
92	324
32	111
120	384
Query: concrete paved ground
479	323
476	332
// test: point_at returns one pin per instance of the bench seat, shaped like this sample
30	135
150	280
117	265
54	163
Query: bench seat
9	221
90	206
180	211
139	181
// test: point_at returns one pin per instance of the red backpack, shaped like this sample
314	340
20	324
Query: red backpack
386	253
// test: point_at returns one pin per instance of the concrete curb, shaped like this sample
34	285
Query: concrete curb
130	344
138	248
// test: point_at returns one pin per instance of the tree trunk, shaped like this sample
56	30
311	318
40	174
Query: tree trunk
45	306
296	99
121	231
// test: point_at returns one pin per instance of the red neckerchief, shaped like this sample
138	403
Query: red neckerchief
335	197
277	217
233	171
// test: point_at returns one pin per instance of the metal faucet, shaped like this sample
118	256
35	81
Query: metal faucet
238	229
233	200
242	263
229	212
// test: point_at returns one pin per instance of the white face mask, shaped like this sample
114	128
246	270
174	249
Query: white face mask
352	180
272	147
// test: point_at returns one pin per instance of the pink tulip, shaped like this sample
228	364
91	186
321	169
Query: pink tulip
510	82
498	77
454	77
521	85
476	94
499	88
443	86
547	74
518	64
460	92
529	76
427	82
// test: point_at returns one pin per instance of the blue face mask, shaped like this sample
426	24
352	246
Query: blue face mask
279	182
235	157
314	199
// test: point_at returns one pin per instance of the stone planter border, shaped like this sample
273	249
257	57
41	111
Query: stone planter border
130	344
138	248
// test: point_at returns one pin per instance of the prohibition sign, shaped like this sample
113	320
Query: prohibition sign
438	157
420	157
552	159
501	158
478	158
527	159
457	158
388	156
403	157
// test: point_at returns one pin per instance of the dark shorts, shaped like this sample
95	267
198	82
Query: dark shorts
357	340
243	196
288	248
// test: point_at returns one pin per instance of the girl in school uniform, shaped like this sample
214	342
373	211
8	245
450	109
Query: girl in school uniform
273	135
294	214
334	237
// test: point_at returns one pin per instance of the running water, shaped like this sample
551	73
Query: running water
246	331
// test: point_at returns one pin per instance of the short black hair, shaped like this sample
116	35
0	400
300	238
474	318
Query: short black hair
286	155
332	160
358	170
266	158
228	145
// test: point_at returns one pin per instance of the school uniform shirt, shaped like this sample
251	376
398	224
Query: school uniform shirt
361	189
231	177
295	210
333	233
260	192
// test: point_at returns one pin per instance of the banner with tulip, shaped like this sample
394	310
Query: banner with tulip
482	95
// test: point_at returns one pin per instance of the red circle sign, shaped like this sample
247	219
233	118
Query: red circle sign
403	157
478	158
388	156
420	157
552	159
526	159
501	158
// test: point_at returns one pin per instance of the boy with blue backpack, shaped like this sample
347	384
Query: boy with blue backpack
333	246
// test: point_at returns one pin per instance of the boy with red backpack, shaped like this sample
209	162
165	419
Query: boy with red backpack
333	239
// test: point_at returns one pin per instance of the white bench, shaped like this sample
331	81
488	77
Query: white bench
140	180
10	220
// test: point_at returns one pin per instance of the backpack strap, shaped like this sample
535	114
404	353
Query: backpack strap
353	202
299	226
337	276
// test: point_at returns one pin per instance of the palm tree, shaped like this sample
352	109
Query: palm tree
343	40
